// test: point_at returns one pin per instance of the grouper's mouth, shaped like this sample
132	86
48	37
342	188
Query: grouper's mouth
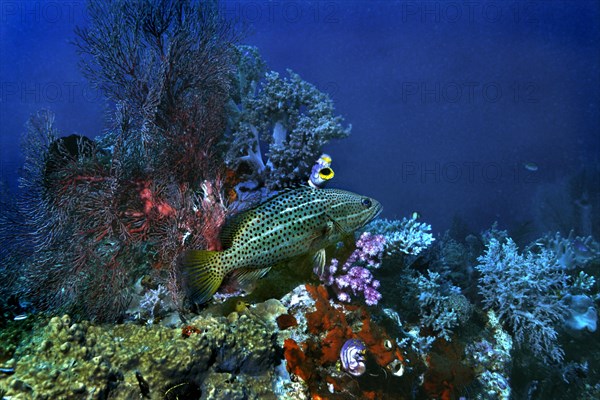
377	209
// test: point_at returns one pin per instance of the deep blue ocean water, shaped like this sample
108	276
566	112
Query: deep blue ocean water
464	114
449	101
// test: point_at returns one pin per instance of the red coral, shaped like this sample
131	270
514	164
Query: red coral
285	321
446	372
325	317
188	330
333	342
329	320
375	340
297	362
332	321
330	326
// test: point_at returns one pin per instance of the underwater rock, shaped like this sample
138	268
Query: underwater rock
491	359
251	350
232	386
298	303
582	313
82	360
269	310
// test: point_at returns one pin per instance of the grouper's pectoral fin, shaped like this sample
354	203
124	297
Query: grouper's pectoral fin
319	262
247	277
320	237
336	227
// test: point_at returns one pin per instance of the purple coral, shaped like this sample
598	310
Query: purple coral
369	251
355	277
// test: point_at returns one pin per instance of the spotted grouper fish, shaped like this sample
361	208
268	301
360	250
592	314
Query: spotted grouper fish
297	221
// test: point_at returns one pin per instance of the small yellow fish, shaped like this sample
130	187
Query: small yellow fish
294	222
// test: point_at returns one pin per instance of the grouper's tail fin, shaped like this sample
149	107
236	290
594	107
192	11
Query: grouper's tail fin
205	272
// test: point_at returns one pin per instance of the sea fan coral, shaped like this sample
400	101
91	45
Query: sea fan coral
99	214
168	67
12	236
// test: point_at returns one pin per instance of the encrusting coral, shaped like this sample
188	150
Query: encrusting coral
314	356
66	359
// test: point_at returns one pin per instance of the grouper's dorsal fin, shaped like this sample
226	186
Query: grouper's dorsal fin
288	190
235	223
233	226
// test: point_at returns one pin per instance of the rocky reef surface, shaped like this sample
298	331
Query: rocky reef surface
213	357
302	346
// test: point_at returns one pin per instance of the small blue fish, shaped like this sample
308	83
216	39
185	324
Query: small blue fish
531	166
580	246
20	317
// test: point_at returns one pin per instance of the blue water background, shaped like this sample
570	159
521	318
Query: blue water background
448	100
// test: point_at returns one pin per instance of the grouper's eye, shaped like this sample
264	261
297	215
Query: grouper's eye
366	202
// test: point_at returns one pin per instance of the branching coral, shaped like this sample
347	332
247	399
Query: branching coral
289	115
441	304
525	292
153	305
407	236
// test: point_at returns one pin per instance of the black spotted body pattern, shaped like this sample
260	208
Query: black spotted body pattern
292	223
